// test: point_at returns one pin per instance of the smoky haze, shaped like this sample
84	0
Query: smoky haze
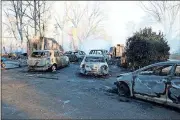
114	23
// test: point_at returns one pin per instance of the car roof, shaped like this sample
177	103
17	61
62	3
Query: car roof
41	50
94	55
170	62
160	63
44	50
98	50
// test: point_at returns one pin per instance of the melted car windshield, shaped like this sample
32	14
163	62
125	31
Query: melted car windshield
40	54
75	53
94	59
100	52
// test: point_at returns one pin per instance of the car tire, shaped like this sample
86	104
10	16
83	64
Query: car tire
84	71
29	69
123	90
53	68
104	70
68	63
3	65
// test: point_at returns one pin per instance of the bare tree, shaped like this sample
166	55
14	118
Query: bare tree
87	19
164	12
15	12
167	14
38	13
61	21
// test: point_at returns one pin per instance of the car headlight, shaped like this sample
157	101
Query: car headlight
48	61
96	66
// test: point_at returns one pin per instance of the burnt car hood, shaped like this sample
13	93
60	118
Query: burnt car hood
126	77
125	74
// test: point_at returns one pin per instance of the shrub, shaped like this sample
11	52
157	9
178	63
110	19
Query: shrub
146	47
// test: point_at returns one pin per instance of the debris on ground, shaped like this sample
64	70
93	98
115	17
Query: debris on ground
123	99
67	101
112	90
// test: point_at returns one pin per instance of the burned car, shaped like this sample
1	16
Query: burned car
47	60
159	82
75	56
101	52
7	63
72	57
80	54
94	64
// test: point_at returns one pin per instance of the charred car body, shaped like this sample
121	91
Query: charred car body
94	64
101	52
158	82
75	56
47	60
7	63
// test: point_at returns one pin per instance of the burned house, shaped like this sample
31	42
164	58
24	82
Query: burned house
43	43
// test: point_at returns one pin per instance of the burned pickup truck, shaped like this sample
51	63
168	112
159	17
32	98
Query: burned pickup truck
159	82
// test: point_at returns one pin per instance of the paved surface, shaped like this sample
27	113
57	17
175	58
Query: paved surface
66	94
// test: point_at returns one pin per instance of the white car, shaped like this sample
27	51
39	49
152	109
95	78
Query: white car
94	64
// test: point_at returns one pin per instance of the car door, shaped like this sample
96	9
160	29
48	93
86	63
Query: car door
61	57
65	59
174	87
151	81
57	58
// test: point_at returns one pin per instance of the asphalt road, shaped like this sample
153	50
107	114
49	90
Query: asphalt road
66	94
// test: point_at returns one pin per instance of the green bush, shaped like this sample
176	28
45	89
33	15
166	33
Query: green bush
146	47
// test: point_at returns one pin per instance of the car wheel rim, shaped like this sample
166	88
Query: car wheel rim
53	68
104	70
84	71
121	90
3	65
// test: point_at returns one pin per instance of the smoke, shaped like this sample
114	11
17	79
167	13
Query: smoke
89	44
